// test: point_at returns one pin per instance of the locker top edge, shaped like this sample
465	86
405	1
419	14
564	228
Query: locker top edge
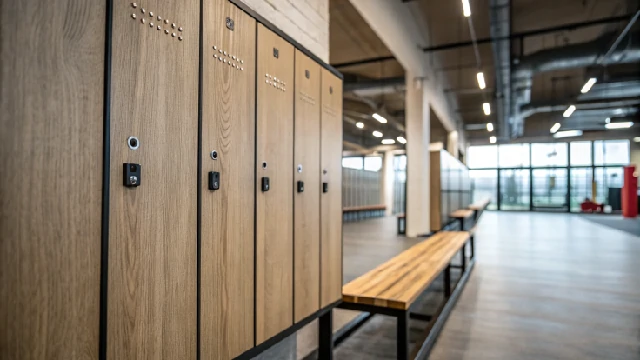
288	38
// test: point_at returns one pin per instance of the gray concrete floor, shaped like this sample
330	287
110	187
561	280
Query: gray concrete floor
545	286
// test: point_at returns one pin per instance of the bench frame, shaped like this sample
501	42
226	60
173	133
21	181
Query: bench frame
327	341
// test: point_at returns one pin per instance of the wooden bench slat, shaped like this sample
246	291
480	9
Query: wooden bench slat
462	213
376	276
389	279
399	281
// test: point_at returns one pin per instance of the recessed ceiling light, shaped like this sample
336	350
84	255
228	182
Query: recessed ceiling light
567	133
360	125
377	134
380	119
466	8
481	82
493	139
489	127
619	125
587	86
555	128
388	141
569	111
636	139
486	107
401	140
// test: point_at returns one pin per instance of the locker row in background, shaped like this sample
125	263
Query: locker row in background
254	225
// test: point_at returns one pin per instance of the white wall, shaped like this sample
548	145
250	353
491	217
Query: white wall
306	21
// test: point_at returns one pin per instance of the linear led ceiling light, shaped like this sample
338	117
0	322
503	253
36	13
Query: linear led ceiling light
555	128
377	134
481	82
489	127
379	118
487	108
567	133
401	140
388	141
618	125
587	86
493	139
360	125
466	8
569	111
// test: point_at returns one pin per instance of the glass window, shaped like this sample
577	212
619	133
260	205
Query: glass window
611	152
514	189
581	182
553	154
353	163
513	155
373	163
580	153
482	157
607	179
549	189
484	184
400	162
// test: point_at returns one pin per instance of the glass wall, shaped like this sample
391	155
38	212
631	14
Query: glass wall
399	183
548	176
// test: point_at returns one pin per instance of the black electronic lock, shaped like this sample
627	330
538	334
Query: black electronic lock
300	186
214	180
325	187
132	174
265	183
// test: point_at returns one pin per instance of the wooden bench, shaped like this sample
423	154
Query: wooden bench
402	224
478	207
363	211
392	287
461	214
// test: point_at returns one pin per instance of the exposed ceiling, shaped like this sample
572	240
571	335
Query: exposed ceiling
551	48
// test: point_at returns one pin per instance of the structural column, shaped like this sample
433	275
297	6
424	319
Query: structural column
387	190
417	128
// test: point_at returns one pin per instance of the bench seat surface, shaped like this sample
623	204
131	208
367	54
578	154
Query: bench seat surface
398	282
480	205
461	214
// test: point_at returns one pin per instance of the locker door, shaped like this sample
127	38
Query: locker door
51	104
227	216
331	199
152	226
274	206
307	198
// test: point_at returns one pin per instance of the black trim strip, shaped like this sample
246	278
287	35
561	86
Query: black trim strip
255	194
253	352
288	38
199	193
106	163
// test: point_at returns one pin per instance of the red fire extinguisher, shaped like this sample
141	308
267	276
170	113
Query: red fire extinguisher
630	192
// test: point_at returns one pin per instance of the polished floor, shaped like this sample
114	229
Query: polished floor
545	286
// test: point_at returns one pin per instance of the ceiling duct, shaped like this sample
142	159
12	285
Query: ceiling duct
566	57
500	12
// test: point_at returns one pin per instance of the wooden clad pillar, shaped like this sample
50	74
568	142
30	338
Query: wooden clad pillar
331	198
51	101
308	187
152	227
274	205
227	215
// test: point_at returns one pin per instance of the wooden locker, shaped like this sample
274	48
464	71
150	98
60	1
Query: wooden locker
152	297
227	216
51	177
306	231
331	199
274	207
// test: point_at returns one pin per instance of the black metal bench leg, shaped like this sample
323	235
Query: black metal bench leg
472	255
461	224
325	336
447	281
403	336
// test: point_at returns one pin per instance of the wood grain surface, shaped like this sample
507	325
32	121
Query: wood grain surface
461	214
399	281
152	229
331	201
51	101
306	232
227	226
274	208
